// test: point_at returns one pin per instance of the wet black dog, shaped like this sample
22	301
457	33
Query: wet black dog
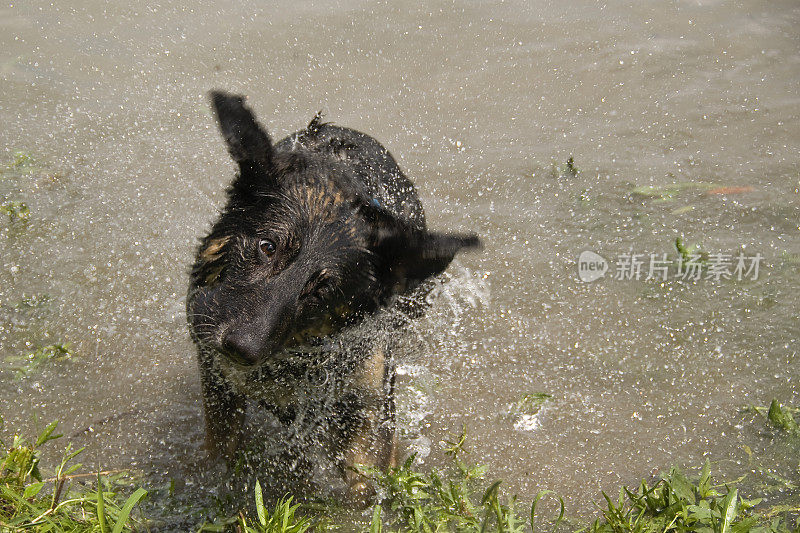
321	234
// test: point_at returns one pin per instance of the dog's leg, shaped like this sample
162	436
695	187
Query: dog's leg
224	411
370	440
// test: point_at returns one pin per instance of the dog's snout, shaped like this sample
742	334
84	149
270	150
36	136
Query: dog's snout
241	348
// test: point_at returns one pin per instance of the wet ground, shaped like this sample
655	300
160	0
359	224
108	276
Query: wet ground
682	119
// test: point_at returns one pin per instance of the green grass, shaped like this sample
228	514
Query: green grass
29	501
459	498
683	503
284	518
466	502
462	499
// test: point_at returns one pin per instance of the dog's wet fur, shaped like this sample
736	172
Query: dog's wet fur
288	302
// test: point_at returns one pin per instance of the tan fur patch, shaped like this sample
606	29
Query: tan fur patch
370	375
211	253
319	202
214	248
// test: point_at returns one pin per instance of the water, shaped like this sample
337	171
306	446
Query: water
482	105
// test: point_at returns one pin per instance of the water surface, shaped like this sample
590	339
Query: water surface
482	104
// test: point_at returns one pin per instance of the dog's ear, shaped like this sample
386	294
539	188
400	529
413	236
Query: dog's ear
248	143
407	255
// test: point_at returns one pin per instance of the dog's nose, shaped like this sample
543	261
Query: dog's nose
241	348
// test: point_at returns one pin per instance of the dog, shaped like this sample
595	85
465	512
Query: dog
322	234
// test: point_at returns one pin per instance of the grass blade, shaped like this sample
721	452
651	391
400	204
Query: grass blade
101	507
376	526
533	509
47	434
730	510
262	514
127	508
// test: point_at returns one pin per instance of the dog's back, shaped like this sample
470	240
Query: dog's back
373	167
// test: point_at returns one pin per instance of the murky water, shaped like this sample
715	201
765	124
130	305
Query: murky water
482	104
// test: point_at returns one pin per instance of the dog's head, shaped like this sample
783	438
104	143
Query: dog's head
299	251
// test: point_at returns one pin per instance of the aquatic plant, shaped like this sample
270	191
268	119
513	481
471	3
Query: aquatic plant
668	193
566	171
30	362
690	254
780	416
16	210
23	161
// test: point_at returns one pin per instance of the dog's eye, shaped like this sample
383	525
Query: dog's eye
268	247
